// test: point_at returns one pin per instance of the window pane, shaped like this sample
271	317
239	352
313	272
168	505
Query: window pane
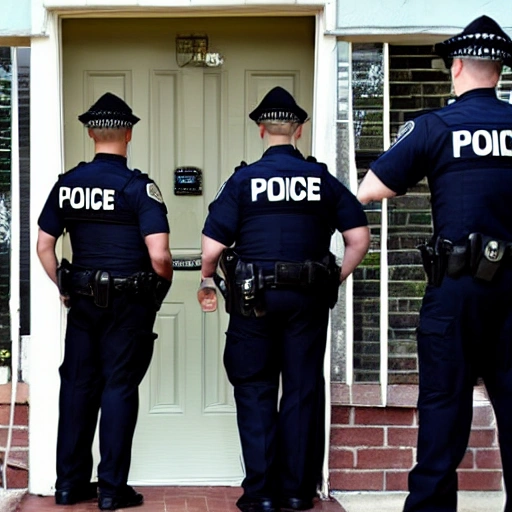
418	82
368	104
5	203
24	141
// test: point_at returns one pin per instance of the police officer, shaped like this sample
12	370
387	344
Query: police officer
120	273
280	213
465	326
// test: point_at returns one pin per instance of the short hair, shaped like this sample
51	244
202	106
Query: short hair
484	66
109	134
280	127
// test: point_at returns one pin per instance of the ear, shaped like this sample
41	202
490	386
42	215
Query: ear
262	130
90	133
457	66
128	135
298	132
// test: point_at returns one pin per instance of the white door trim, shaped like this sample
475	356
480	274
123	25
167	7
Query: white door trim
46	312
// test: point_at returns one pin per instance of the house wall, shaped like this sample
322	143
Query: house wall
373	449
417	16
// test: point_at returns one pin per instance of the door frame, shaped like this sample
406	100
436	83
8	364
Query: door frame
47	158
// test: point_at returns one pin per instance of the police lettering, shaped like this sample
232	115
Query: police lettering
87	198
483	142
298	188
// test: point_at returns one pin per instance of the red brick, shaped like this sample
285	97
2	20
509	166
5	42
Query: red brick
468	461
366	394
385	458
341	459
402	395
340	415
396	480
483	438
20	415
488	459
483	416
402	436
380	416
480	480
340	393
357	436
346	480
19	437
17	478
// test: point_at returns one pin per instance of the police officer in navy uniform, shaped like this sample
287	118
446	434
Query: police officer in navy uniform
465	325
120	273
279	214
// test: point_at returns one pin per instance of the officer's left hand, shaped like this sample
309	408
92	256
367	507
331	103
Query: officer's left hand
66	300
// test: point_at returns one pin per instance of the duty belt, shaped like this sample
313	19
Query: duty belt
100	285
481	257
82	283
289	274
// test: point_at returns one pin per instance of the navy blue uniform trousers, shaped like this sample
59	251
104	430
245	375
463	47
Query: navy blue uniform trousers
465	332
282	440
106	355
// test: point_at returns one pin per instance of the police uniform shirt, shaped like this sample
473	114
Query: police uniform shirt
282	207
465	151
107	209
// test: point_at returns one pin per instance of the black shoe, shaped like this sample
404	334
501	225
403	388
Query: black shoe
296	504
246	504
129	497
76	494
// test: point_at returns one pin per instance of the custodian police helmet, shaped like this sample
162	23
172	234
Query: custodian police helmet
109	111
280	106
483	38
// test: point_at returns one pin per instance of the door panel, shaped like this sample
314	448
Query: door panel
186	432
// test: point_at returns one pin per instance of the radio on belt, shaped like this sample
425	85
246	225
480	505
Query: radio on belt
188	181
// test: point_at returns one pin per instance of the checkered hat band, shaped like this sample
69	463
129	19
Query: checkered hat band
278	115
480	52
108	123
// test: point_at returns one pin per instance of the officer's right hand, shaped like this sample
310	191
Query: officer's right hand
66	300
207	295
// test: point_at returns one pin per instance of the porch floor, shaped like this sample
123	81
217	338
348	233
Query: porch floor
165	499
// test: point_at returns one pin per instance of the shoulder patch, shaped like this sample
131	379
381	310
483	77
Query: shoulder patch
154	192
405	130
311	158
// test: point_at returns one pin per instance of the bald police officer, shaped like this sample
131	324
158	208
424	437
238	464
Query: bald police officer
280	213
465	327
121	271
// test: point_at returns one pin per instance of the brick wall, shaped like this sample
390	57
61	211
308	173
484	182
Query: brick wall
17	463
373	449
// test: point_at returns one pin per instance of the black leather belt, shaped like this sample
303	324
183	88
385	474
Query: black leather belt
289	274
81	283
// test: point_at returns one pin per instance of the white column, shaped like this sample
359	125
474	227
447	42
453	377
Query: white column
46	312
324	148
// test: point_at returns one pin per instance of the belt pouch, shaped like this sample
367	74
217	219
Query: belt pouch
486	256
457	261
289	273
101	288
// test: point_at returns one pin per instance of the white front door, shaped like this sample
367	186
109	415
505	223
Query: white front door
190	117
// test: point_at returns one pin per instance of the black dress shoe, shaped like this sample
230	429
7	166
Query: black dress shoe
76	494
129	497
296	504
246	504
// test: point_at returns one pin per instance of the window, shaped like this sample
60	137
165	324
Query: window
14	165
380	86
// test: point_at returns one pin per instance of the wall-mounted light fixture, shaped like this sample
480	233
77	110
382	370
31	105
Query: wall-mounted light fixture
192	50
